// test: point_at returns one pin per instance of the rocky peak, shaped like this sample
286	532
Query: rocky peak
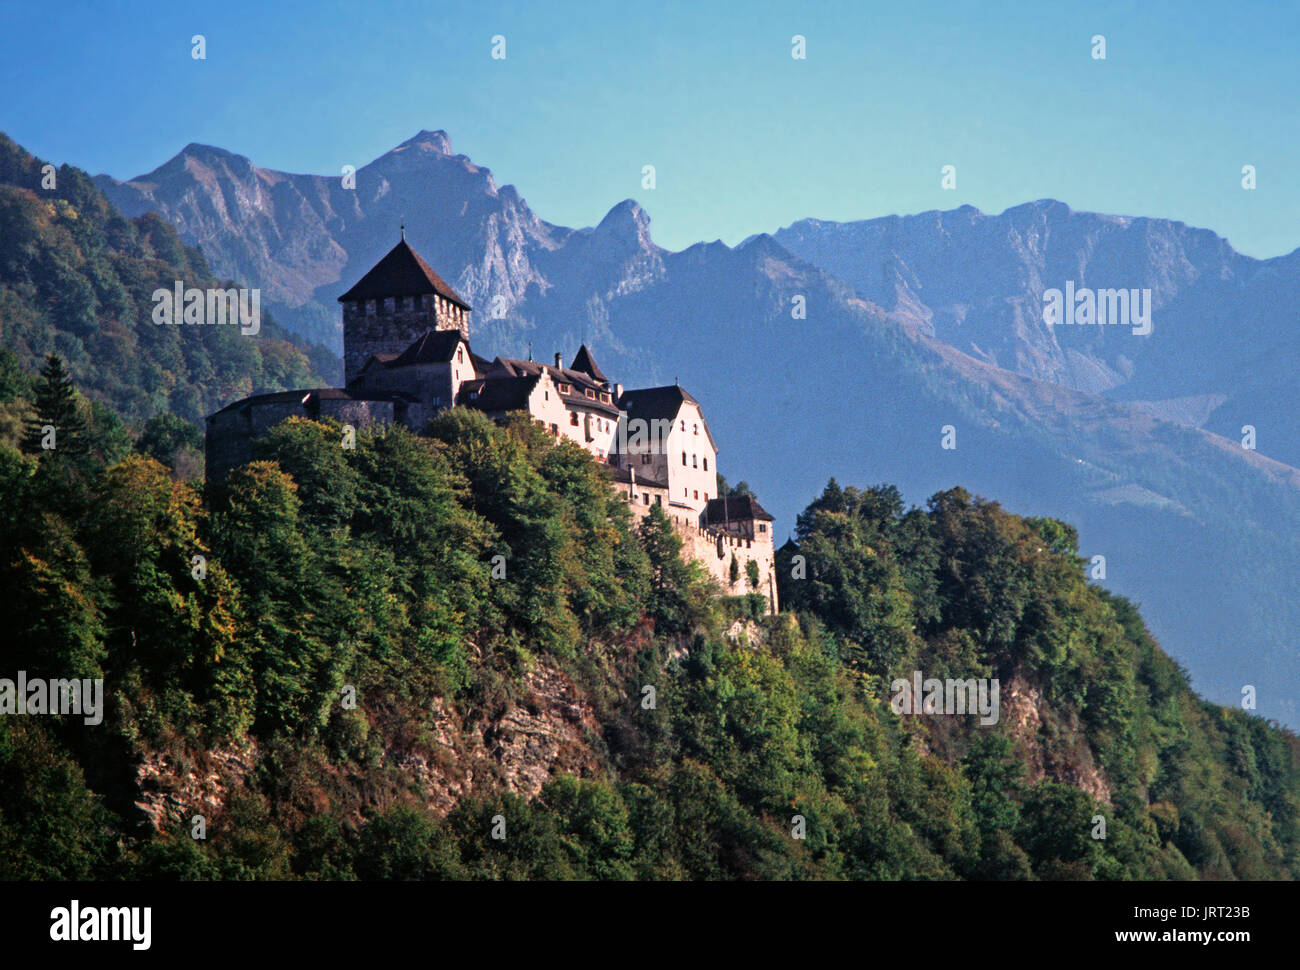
430	142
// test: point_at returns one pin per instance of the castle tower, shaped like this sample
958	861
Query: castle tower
394	304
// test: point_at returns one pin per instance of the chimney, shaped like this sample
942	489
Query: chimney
558	365
618	392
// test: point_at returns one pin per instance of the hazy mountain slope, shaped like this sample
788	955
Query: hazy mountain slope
1223	324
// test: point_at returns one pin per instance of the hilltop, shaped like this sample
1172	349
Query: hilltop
351	688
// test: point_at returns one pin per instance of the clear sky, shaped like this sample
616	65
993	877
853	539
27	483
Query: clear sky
744	138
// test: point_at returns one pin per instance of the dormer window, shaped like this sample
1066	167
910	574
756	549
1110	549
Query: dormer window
591	394
605	398
565	388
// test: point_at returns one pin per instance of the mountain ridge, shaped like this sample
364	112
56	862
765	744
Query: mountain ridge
896	342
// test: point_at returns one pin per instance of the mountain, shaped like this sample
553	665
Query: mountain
1222	346
301	236
77	278
910	326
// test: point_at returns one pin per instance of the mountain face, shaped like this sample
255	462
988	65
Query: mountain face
303	238
1222	328
856	346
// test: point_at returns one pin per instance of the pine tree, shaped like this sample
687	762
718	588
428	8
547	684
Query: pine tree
56	404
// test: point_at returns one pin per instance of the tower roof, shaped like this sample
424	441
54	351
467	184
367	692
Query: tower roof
401	273
585	363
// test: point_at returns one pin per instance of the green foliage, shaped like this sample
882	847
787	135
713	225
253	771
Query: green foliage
481	593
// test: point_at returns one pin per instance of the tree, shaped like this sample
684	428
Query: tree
56	405
166	437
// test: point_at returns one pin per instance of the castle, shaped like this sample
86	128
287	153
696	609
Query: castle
406	356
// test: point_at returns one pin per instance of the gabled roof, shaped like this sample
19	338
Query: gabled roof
586	364
401	273
579	382
497	394
433	347
655	402
733	508
661	404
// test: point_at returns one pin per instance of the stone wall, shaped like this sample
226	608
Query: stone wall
391	325
713	548
230	434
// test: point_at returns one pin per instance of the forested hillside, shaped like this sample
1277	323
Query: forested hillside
453	656
76	279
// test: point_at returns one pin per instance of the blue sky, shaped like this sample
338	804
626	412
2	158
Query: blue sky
744	138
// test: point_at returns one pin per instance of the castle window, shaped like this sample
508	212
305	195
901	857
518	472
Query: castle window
683	425
706	464
555	429
762	527
697	493
683	458
645	499
460	354
695	461
390	304
645	459
370	308
573	418
697	428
